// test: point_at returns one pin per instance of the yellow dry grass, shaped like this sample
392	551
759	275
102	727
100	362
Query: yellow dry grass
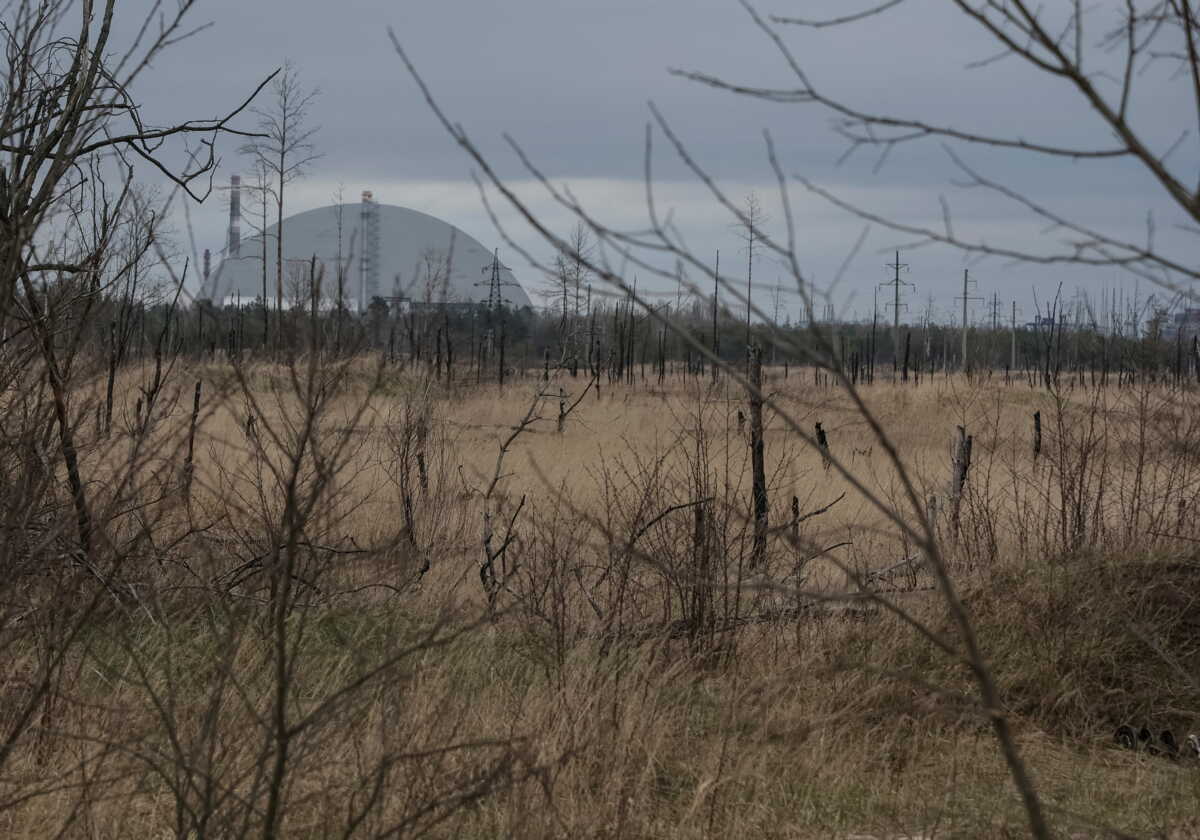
804	727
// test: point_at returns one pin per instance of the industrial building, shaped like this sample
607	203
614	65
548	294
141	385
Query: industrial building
406	257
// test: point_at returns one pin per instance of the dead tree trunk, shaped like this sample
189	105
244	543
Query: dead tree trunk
487	571
823	443
759	480
59	389
907	349
191	448
437	355
701	584
112	377
422	436
500	367
449	349
962	465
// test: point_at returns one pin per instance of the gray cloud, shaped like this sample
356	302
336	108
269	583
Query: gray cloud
570	81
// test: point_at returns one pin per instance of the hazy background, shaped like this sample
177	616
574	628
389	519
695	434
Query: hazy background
570	81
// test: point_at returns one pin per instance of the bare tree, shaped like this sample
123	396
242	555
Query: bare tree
749	229
433	275
283	152
71	135
566	288
69	127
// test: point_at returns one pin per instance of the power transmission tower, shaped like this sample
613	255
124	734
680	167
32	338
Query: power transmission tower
496	299
966	296
896	283
494	283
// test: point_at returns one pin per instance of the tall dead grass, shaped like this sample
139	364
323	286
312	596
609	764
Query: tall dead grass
307	648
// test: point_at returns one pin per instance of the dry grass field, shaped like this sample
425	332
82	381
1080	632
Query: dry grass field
309	631
310	541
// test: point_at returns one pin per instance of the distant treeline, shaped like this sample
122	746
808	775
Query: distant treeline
621	338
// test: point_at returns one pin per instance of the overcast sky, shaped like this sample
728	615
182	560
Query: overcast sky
570	80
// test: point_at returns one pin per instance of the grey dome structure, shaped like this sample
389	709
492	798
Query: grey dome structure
401	255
